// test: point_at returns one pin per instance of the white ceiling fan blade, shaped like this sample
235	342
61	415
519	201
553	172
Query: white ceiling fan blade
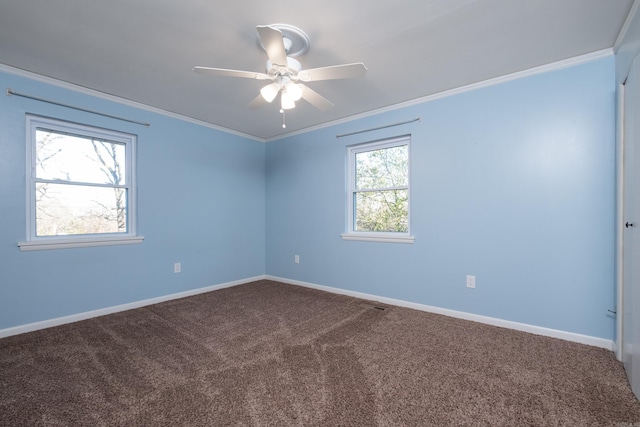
231	73
271	39
315	99
346	71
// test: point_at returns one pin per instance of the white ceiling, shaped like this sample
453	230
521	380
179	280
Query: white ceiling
144	50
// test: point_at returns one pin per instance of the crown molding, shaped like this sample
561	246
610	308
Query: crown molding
626	25
123	101
558	65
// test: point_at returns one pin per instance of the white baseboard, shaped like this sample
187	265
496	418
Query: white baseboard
538	330
108	310
524	327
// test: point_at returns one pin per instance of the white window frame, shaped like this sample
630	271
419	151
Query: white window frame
380	236
33	241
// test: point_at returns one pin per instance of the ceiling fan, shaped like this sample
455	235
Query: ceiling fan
282	43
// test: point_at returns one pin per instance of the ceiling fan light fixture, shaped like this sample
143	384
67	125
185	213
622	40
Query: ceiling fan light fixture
270	91
294	91
282	42
286	101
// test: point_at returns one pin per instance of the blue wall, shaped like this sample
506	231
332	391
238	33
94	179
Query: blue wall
512	183
201	202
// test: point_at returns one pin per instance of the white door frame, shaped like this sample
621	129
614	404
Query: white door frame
619	219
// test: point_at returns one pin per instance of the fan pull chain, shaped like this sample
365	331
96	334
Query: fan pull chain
284	124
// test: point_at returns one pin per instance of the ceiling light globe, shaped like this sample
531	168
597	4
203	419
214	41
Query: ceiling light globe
286	101
270	91
294	91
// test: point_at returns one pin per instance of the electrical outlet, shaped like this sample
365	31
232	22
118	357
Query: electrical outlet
177	267
471	281
296	259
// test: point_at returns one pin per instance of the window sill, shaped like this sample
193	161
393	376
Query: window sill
46	244
370	237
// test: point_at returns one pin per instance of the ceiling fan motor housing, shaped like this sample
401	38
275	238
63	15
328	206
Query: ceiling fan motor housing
292	68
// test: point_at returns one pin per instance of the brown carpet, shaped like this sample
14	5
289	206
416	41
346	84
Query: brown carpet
271	354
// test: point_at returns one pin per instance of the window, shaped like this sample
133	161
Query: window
378	191
80	186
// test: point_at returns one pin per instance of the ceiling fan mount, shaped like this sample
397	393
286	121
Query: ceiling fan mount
282	43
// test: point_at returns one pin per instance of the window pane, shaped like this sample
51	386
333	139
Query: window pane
382	211
63	209
80	159
383	168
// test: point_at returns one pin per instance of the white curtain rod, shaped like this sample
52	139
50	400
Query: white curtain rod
379	127
11	92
